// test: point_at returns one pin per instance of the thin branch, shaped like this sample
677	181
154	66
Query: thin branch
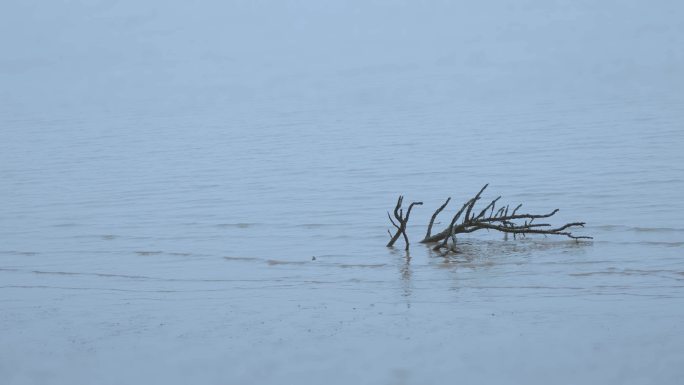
491	205
473	201
391	220
517	208
434	216
403	220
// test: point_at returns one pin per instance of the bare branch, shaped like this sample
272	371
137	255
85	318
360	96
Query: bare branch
489	219
391	220
465	221
517	208
491	205
473	201
434	216
506	217
445	233
408	212
403	220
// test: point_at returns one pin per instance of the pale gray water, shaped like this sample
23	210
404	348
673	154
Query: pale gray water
168	171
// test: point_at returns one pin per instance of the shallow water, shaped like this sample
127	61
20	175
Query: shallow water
168	174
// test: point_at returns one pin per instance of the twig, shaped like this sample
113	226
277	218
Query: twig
403	220
434	216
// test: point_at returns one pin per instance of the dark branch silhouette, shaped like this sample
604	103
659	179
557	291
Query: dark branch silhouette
499	220
399	216
434	216
467	220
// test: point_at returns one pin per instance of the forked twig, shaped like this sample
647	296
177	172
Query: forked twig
403	220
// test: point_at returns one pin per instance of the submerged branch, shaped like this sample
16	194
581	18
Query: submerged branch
434	216
467	220
403	220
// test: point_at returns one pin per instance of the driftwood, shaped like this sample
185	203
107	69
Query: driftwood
401	227
467	220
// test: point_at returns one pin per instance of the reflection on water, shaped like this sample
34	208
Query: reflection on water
405	270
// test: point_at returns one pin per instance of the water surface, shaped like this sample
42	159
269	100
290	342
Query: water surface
169	171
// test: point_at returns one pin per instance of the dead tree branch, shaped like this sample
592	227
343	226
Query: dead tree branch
403	220
491	218
434	216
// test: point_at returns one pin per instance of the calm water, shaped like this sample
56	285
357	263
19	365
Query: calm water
167	173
